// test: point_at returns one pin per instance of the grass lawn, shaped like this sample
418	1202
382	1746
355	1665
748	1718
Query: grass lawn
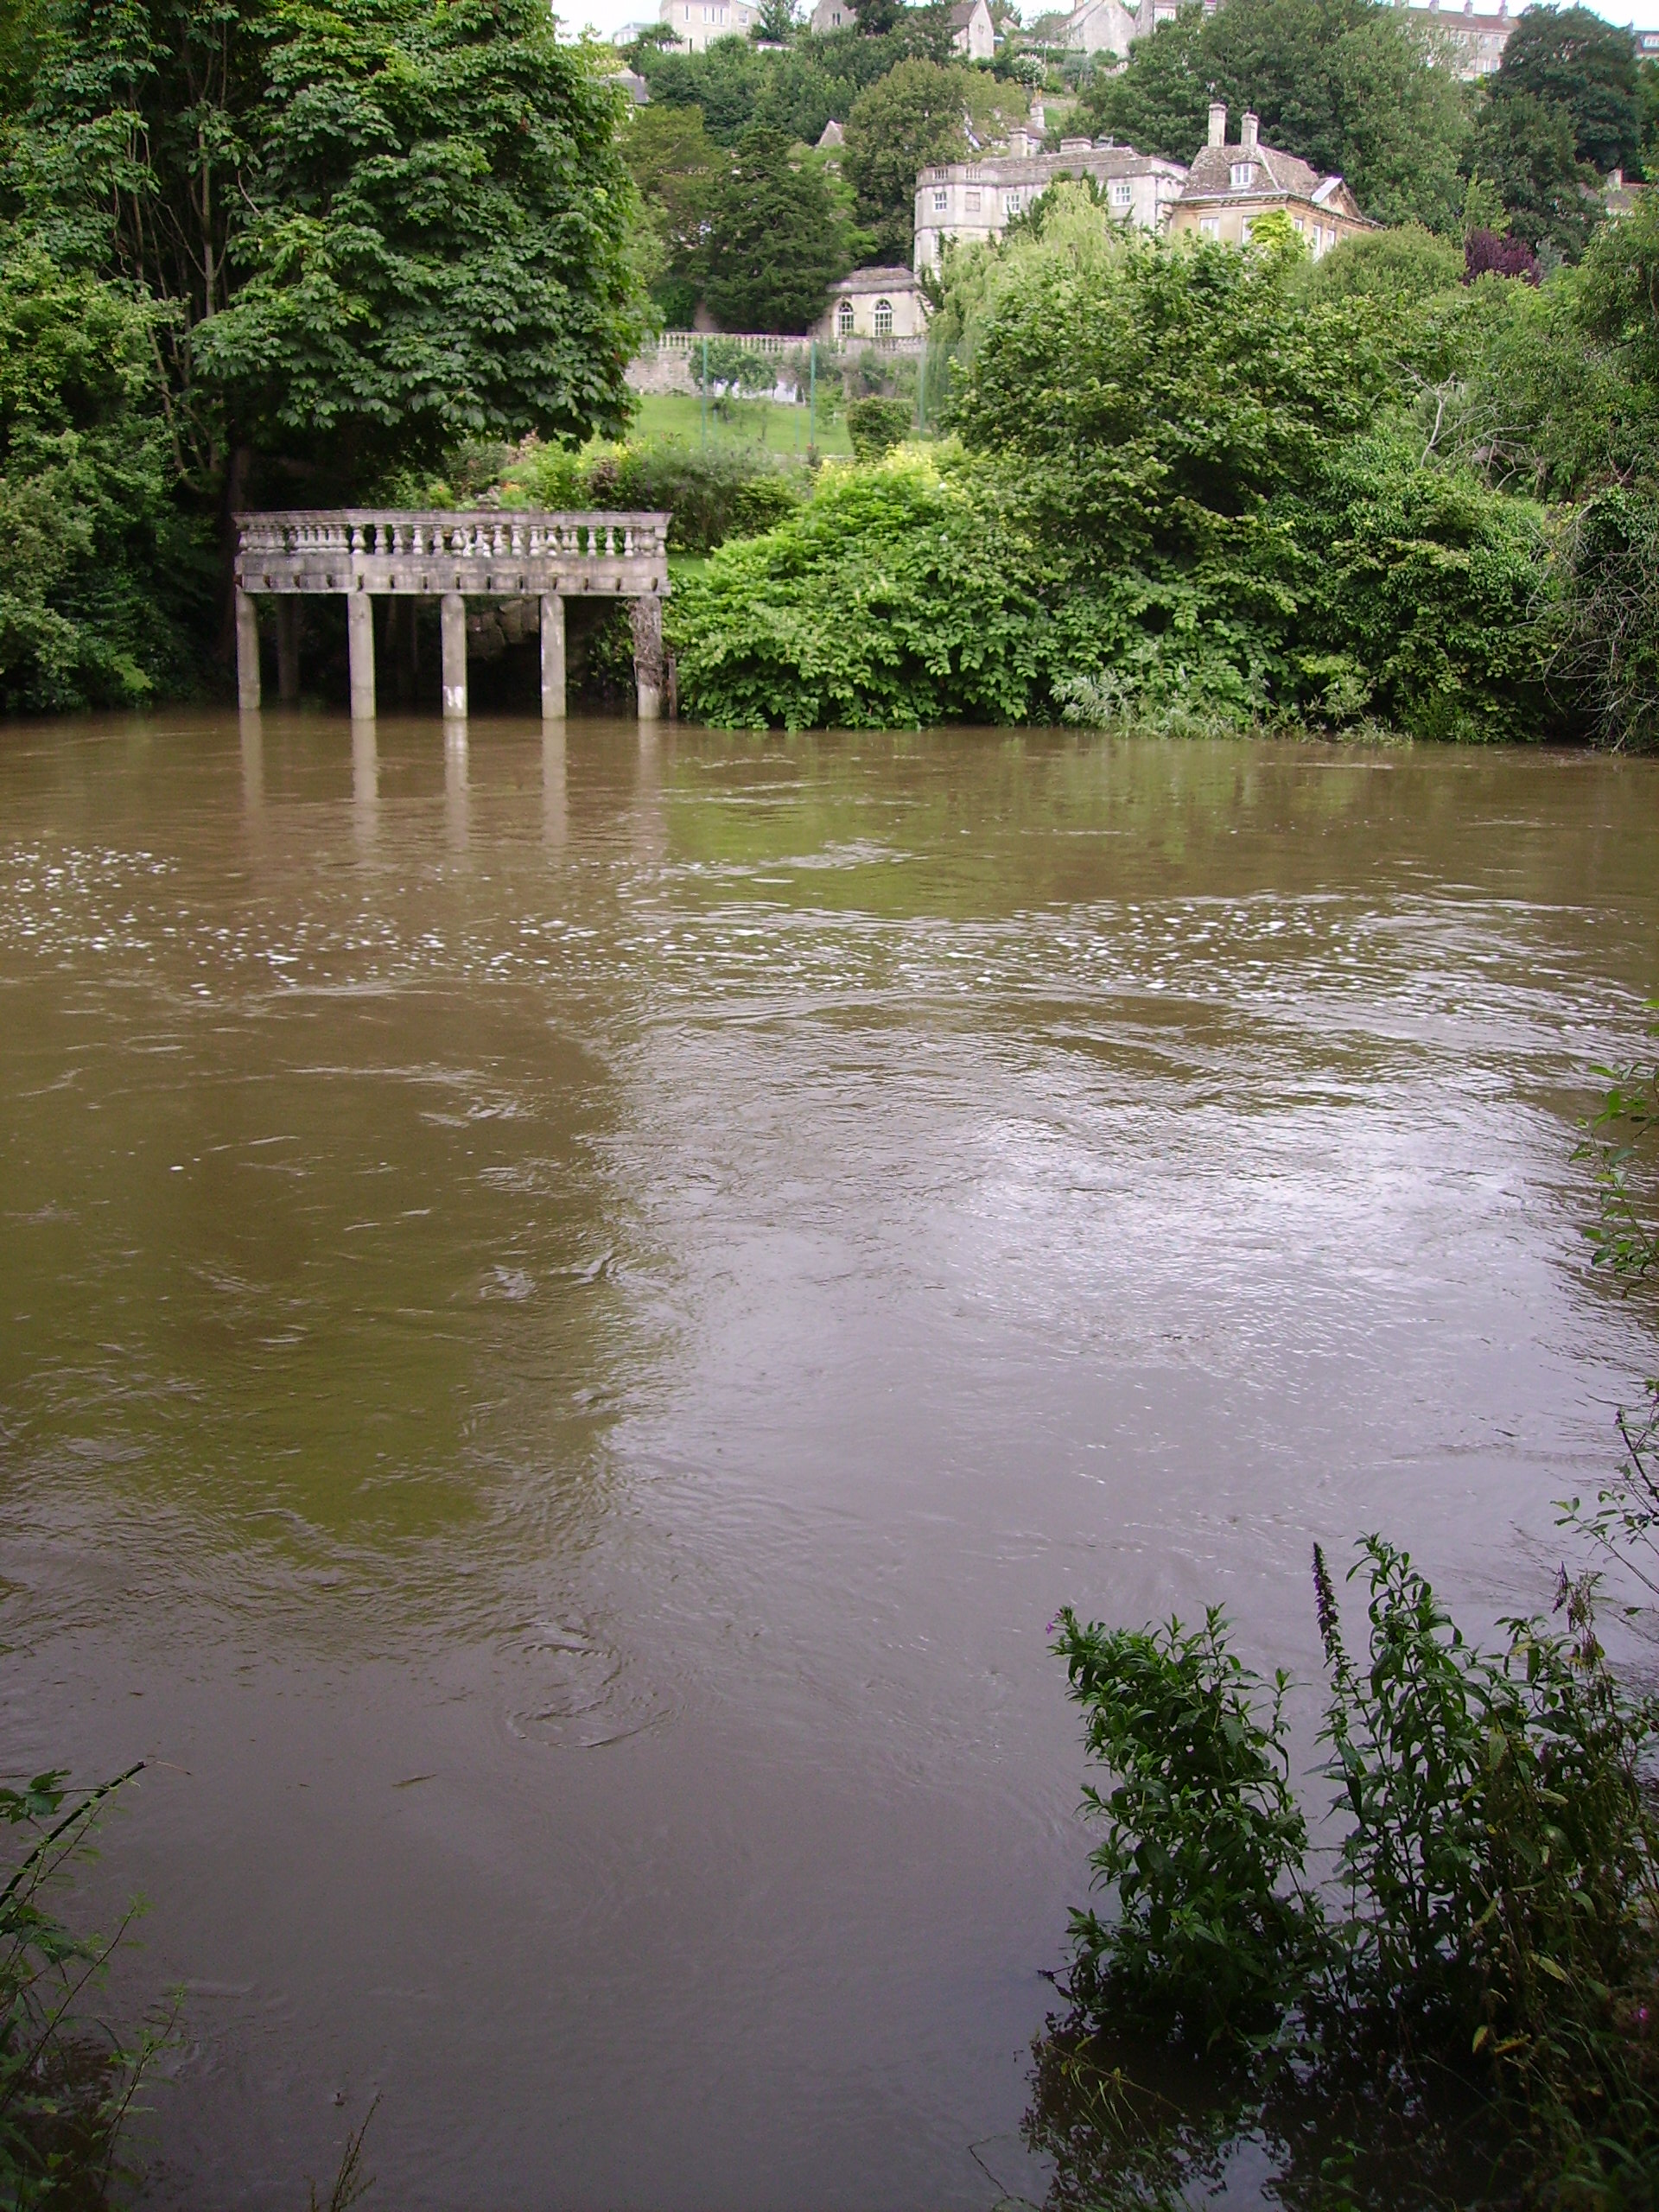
779	429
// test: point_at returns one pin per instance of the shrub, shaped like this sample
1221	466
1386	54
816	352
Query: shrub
711	496
875	426
892	600
1497	1866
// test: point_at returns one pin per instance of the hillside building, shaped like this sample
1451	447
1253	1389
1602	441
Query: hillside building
1473	40
1229	189
697	23
877	303
966	202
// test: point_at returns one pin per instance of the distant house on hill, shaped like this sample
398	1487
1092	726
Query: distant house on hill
973	32
1113	26
967	202
1474	41
973	35
1229	188
697	23
880	303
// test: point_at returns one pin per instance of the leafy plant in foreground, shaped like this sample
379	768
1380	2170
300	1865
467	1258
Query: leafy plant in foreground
64	2091
1493	1934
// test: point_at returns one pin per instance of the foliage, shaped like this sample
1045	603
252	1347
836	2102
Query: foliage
875	426
1492	1921
776	238
797	92
711	496
97	585
63	2093
1205	1845
1574	62
1405	267
1485	254
892	601
916	114
1619	1146
1345	85
675	165
1524	146
438	248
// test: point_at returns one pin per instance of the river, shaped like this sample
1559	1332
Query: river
573	1305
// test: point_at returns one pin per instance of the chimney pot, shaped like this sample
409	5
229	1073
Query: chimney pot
1247	130
1217	122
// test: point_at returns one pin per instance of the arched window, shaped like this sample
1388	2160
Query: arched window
882	323
844	320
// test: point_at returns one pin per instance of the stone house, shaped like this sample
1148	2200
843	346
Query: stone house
829	16
874	303
1113	26
965	202
1229	188
973	35
697	23
1473	42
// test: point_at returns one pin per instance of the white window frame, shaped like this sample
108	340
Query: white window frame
844	319
1122	193
1243	177
941	200
881	319
1209	227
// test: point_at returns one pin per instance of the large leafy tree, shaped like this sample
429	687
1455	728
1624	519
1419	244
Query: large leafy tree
1347	84
1586	68
1524	149
776	238
373	227
915	115
676	165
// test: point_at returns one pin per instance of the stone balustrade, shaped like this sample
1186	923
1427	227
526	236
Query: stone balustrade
364	553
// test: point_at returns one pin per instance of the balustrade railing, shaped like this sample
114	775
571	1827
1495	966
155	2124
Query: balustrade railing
495	534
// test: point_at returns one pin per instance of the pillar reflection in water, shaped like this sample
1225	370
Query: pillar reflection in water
651	818
253	764
366	783
555	818
455	783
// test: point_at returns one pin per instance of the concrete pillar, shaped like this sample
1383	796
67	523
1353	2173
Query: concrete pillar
645	619
552	657
288	648
454	624
359	640
247	652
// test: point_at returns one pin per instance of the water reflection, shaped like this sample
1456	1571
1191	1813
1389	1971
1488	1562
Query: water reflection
366	783
251	732
455	809
556	819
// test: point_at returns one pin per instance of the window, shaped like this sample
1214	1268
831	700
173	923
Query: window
1210	226
941	201
970	201
1298	221
1010	203
1244	230
881	322
844	320
1243	175
1123	192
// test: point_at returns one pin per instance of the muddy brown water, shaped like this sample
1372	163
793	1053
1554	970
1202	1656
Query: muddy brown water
573	1306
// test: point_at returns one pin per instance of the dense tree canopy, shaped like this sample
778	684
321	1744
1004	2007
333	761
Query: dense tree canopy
916	114
376	225
1574	62
776	239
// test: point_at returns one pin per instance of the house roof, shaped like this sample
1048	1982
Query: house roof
963	13
1274	176
832	134
880	279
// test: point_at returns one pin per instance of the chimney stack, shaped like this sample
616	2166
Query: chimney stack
1217	122
1247	134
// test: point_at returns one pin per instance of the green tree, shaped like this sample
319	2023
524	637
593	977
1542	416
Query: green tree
376	225
776	239
1573	60
101	571
914	116
1523	146
676	165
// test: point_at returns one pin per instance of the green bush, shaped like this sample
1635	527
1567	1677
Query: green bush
102	572
1491	1923
890	600
876	425
711	496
